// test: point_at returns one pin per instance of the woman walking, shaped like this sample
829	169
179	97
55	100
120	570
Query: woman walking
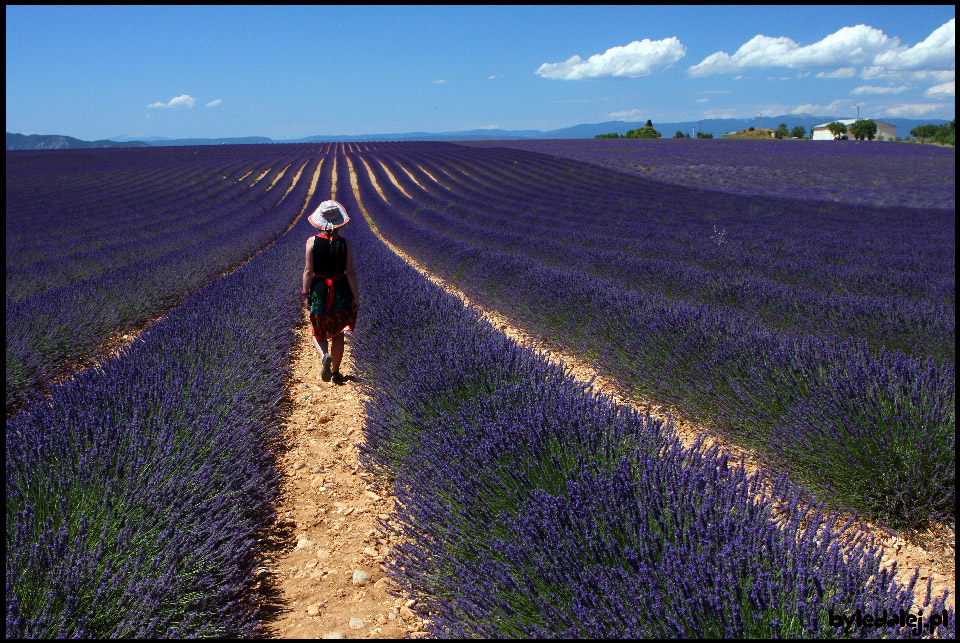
330	286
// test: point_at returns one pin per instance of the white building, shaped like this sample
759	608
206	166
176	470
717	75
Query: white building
821	133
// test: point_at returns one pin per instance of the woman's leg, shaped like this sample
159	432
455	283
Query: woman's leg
336	351
321	348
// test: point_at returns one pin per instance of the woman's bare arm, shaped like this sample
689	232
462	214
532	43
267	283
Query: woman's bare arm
308	266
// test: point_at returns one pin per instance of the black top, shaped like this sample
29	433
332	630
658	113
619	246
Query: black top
329	256
330	260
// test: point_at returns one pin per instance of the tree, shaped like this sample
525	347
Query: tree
798	132
866	129
649	124
947	133
646	131
837	128
702	135
679	134
924	131
782	131
611	135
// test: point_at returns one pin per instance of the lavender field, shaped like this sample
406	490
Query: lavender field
867	172
821	332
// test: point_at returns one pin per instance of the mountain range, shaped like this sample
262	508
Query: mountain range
718	127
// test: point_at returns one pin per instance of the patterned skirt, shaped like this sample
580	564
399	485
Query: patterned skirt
331	313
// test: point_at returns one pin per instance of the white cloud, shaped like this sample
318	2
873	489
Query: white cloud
848	46
214	103
491	76
489	127
639	58
942	90
809	108
628	114
702	100
843	72
439	82
938	51
867	89
184	100
914	109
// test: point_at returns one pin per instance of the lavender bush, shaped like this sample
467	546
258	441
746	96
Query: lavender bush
136	492
867	172
111	262
534	507
760	385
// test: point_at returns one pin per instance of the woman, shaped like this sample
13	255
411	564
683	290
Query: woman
330	286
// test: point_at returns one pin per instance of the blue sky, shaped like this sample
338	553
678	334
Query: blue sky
290	72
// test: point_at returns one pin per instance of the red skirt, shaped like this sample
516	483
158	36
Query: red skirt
330	324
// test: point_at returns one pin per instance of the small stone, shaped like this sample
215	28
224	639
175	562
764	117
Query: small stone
318	469
303	543
382	583
360	577
370	551
372	495
356	623
310	565
298	465
333	635
313	610
308	396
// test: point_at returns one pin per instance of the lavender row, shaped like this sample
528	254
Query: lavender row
632	212
887	323
829	413
530	506
136	494
59	234
865	172
49	330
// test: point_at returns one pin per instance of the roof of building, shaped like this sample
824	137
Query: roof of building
850	121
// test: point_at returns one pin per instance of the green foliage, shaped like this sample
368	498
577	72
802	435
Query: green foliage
610	135
751	128
798	132
837	128
866	129
702	135
782	131
646	131
924	131
945	133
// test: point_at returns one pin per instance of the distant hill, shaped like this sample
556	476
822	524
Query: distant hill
242	140
59	142
716	126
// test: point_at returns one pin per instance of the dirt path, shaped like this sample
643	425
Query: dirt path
327	573
932	551
327	547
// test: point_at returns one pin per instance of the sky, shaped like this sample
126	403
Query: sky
290	72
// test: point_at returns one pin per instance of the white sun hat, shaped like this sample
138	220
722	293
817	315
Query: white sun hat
329	215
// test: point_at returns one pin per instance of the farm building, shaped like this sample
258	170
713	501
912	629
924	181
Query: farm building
885	130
